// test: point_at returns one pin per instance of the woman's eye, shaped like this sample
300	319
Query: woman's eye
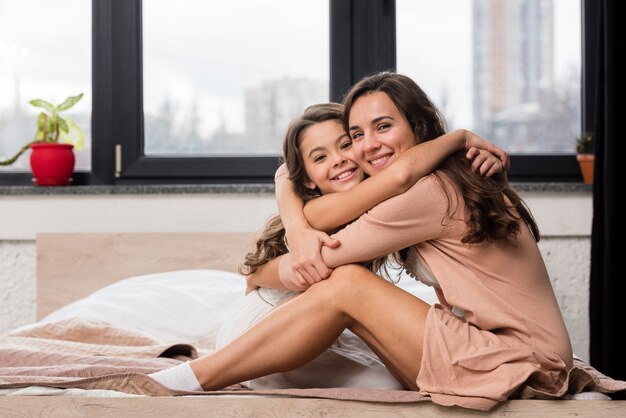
356	136
383	126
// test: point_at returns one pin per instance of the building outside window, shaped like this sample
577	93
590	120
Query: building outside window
509	70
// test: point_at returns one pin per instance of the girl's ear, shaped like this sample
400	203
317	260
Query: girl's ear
309	184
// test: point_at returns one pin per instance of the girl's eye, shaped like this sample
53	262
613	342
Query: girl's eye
318	158
346	145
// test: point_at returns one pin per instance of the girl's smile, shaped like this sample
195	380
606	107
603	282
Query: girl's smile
328	159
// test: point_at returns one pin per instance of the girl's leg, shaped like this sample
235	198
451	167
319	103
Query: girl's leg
390	320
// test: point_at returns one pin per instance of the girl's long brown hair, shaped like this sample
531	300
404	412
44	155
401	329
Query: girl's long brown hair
271	241
494	208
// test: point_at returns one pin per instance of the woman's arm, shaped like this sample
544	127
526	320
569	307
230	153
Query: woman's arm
330	211
401	221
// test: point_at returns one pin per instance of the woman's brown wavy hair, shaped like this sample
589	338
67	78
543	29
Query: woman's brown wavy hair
271	242
494	208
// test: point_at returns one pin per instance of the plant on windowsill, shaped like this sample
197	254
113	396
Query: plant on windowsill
52	156
585	155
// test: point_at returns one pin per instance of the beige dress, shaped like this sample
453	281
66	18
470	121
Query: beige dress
506	330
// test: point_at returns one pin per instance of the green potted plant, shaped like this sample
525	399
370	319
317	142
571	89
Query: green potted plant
585	155
52	156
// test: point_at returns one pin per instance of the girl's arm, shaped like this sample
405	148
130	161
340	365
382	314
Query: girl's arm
330	211
304	242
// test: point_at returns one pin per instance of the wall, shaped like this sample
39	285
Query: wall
564	219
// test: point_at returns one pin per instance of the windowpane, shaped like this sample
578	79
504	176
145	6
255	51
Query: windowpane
225	78
509	70
45	53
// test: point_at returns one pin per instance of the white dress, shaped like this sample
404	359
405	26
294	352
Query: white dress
349	362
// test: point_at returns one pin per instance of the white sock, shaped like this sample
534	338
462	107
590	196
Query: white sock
179	377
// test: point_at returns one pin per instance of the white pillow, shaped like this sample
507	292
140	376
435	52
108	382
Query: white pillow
177	306
174	307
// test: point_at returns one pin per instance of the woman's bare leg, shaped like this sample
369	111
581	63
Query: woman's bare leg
390	320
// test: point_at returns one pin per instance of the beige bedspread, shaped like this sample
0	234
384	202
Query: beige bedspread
87	354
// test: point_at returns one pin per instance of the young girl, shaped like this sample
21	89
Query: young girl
348	362
317	152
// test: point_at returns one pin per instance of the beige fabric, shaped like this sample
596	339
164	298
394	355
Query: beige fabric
94	355
511	339
91	354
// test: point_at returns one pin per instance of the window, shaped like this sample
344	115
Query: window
169	104
225	78
360	40
42	57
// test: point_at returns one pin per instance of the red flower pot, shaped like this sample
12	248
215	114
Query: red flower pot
52	164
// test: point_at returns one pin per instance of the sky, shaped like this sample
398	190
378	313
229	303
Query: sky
208	52
52	56
225	51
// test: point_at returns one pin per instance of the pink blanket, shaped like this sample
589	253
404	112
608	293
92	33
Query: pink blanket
88	354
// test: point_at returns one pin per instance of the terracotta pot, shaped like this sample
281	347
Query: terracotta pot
585	161
52	164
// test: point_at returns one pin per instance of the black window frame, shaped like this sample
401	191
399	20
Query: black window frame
362	41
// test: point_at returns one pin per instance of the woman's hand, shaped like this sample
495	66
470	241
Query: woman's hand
305	247
487	158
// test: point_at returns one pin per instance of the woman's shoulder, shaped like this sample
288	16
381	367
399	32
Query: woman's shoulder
433	184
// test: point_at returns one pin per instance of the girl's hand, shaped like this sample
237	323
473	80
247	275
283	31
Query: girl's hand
305	246
287	276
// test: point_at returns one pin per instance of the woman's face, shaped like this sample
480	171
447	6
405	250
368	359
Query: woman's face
379	131
328	159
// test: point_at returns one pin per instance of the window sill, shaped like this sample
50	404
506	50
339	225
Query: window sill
165	189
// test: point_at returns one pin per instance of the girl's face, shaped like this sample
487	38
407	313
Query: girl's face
328	159
379	130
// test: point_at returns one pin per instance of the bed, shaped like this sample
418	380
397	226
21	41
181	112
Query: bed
113	307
